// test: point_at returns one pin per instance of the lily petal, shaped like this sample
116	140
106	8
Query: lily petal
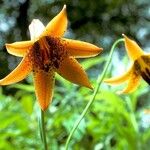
71	70
132	85
81	49
19	73
44	85
57	26
19	48
133	49
119	79
36	28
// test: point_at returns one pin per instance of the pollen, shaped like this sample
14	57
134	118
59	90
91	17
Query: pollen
47	53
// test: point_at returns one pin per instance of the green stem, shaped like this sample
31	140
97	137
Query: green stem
42	129
99	81
132	115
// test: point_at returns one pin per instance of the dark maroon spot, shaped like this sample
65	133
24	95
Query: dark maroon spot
56	64
146	59
137	66
145	77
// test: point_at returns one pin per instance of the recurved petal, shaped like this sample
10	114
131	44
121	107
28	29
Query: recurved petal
81	49
19	73
71	70
44	85
19	48
36	28
57	26
132	84
119	79
133	49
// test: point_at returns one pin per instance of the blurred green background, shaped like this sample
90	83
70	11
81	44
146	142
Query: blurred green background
113	122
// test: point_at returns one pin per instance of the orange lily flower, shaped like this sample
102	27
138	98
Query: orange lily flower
46	53
140	68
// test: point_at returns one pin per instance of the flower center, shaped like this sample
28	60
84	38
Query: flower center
142	67
47	53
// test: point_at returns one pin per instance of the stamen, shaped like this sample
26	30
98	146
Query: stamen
47	53
57	50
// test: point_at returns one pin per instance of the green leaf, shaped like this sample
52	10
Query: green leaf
27	103
88	63
29	88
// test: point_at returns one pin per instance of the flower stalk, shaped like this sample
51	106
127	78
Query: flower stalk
42	129
99	81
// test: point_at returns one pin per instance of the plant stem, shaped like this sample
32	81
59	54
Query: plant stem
42	129
132	115
99	81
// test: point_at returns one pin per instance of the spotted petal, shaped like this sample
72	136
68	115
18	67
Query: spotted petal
57	26
44	85
142	66
81	49
71	70
19	73
36	28
19	48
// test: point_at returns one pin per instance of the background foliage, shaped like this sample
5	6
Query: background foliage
113	122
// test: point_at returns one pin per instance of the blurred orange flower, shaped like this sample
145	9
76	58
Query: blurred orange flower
46	53
140	68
